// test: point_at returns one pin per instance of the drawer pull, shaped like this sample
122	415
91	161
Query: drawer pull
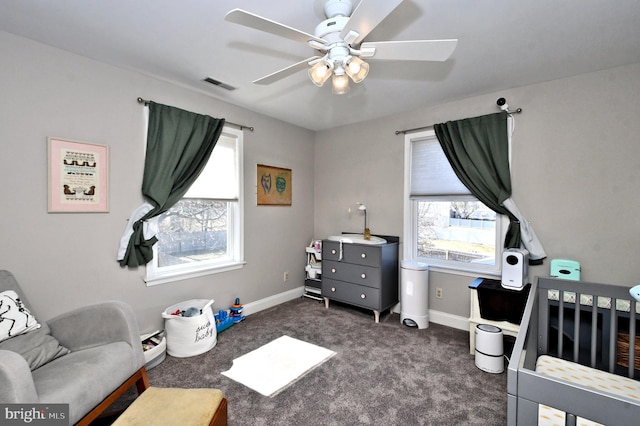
333	270
363	276
333	289
363	296
333	251
363	255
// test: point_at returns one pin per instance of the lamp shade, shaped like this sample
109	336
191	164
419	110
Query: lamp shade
340	84
319	73
357	69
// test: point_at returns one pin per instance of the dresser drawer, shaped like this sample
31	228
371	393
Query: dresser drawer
352	253
361	254
366	297
331	250
357	274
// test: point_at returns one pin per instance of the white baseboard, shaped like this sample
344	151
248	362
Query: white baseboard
437	317
450	320
271	301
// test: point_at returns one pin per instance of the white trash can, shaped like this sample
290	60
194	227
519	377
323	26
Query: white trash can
489	348
414	294
190	336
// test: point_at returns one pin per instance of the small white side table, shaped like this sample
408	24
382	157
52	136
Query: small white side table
508	328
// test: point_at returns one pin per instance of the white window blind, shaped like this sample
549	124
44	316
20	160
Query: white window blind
219	179
431	173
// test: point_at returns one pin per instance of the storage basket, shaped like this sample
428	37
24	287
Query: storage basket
623	351
190	336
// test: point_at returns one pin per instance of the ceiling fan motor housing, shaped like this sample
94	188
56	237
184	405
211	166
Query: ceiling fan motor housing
333	8
330	29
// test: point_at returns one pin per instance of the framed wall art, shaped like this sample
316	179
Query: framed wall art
78	177
274	186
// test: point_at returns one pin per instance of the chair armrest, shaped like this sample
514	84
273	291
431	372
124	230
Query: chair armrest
16	379
96	325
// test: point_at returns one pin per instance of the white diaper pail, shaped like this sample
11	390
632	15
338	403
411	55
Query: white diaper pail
414	294
489	348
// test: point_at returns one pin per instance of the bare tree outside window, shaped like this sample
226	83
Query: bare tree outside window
193	230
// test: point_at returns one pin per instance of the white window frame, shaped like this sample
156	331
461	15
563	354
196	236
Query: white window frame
235	216
410	223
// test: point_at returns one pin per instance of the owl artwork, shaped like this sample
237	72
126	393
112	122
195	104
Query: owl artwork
265	181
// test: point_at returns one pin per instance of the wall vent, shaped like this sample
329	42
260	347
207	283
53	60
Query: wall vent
218	83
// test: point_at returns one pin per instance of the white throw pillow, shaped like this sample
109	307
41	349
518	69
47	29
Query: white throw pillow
15	319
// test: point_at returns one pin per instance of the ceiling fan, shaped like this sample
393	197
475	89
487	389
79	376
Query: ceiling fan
339	42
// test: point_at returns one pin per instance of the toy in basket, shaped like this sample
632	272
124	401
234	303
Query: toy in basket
236	311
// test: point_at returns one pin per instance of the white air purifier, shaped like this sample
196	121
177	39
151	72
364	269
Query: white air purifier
489	348
515	268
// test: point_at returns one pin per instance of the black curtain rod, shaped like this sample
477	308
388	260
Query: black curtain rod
412	130
241	126
502	103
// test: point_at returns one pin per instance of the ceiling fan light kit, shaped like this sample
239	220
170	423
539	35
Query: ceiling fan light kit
339	39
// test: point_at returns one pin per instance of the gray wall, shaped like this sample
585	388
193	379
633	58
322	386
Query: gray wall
69	260
575	174
576	156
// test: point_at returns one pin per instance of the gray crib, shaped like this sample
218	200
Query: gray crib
587	324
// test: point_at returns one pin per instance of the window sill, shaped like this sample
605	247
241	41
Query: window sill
169	277
464	272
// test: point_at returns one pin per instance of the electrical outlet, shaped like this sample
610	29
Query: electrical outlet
285	277
438	293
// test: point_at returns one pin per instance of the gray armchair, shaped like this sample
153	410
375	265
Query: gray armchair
86	358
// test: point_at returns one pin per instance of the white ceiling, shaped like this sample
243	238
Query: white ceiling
502	44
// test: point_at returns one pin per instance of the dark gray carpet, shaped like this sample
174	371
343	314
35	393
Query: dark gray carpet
383	373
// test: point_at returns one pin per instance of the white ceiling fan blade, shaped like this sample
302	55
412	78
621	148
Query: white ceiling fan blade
285	72
414	50
251	20
367	16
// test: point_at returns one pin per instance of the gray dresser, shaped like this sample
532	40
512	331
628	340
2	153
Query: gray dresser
362	275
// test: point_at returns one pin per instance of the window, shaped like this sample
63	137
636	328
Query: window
202	233
445	225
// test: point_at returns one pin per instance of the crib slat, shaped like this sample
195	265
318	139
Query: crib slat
576	329
543	318
632	338
560	322
613	333
594	330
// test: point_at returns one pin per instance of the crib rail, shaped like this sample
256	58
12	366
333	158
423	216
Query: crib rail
588	319
596	307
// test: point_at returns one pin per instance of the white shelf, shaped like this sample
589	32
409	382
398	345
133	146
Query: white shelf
313	270
316	253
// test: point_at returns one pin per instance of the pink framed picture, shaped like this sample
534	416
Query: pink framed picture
78	177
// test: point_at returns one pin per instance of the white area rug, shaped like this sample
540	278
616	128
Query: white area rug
274	366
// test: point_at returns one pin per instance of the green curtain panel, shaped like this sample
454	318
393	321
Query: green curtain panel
179	144
478	150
